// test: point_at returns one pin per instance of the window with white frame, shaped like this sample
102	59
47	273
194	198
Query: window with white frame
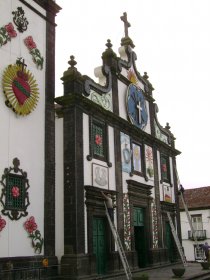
197	222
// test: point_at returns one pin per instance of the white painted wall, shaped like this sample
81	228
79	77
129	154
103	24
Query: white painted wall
122	94
23	137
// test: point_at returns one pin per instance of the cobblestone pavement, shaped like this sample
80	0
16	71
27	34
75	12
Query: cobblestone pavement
192	271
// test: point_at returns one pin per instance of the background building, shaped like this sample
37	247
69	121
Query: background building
198	203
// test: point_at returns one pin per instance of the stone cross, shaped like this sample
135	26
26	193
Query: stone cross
22	63
126	23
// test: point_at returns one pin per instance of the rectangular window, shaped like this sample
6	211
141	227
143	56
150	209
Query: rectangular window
165	168
137	158
99	140
15	192
197	222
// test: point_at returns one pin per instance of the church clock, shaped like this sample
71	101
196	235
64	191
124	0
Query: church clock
136	106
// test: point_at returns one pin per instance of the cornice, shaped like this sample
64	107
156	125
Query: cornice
48	5
195	208
87	106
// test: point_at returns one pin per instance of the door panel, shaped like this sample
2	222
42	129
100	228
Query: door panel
140	246
169	242
99	244
140	237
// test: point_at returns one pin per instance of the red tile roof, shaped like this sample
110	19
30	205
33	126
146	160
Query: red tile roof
196	198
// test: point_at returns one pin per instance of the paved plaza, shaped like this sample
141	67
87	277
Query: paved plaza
192	271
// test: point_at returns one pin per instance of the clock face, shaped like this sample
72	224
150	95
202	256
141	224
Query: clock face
136	106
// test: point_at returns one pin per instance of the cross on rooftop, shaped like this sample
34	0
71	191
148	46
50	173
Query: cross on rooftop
19	62
126	23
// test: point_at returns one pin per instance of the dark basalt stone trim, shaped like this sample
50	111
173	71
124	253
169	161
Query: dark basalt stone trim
74	231
43	6
118	181
90	84
93	189
195	208
33	9
91	108
48	5
115	94
27	261
49	183
131	58
176	184
152	113
167	207
139	188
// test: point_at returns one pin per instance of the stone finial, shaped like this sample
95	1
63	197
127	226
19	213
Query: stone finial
149	88
109	44
72	70
72	62
109	51
72	79
167	126
146	77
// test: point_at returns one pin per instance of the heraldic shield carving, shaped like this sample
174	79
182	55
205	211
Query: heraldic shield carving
14	196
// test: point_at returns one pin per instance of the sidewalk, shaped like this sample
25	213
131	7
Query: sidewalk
192	271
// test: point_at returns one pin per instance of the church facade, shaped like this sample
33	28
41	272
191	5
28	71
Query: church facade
59	154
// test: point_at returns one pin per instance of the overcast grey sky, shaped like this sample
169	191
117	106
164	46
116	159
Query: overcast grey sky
172	39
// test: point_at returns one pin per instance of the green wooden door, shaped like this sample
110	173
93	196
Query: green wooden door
169	242
99	244
140	237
